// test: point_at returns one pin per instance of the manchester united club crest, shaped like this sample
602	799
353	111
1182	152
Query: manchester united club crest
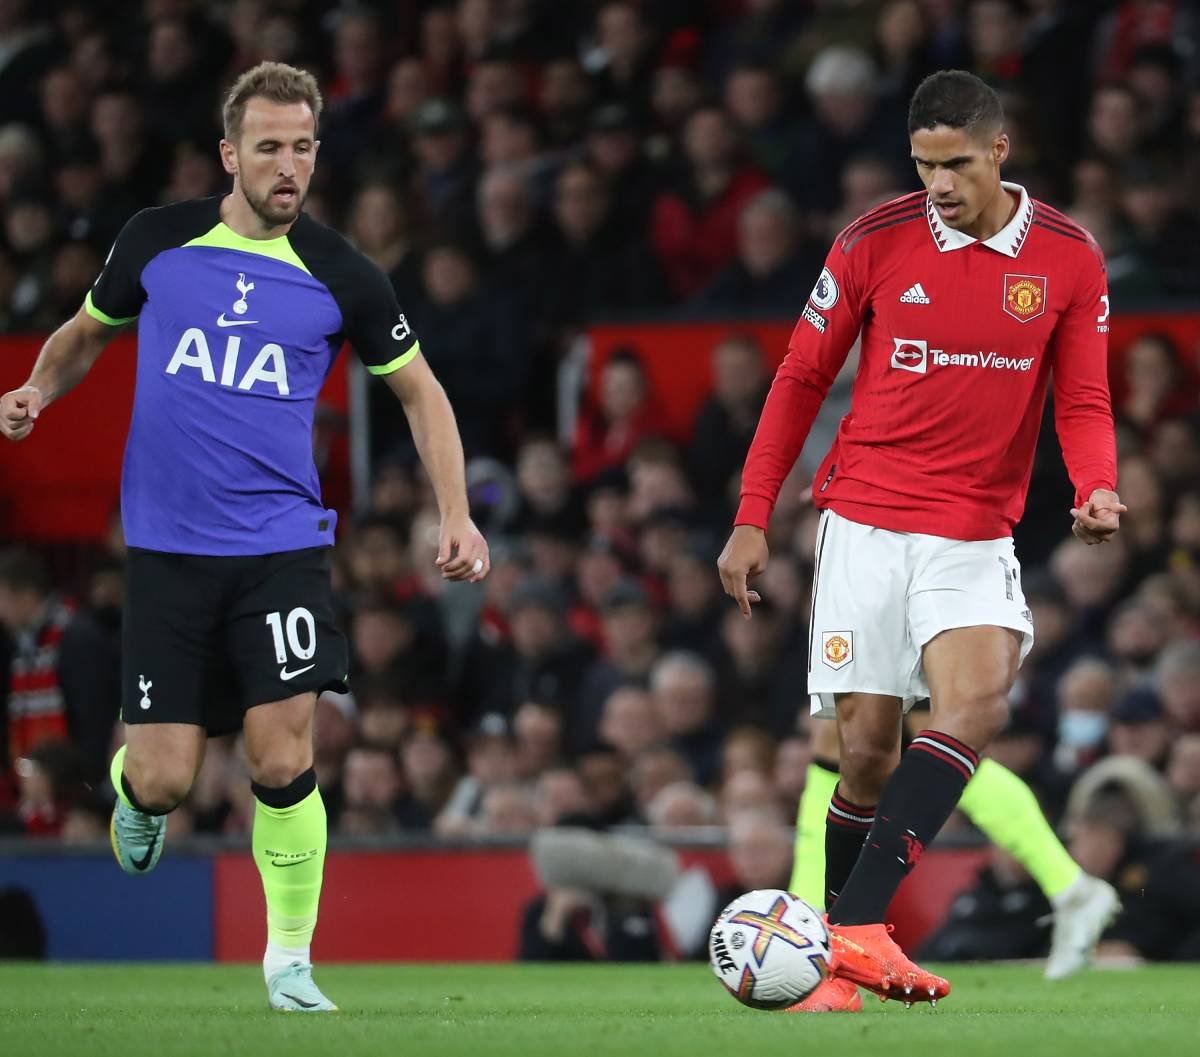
837	648
1024	296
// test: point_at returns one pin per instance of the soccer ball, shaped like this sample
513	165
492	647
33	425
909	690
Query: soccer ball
769	949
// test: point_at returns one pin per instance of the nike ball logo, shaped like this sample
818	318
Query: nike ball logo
223	322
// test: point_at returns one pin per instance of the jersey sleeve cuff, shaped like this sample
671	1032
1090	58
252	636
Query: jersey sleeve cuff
397	363
754	510
112	321
1084	493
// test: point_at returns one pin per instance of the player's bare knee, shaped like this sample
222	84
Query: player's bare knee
280	769
974	718
865	769
159	791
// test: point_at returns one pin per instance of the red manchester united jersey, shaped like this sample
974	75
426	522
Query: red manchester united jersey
959	341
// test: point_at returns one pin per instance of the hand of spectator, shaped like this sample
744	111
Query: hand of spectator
18	409
1098	517
462	550
744	556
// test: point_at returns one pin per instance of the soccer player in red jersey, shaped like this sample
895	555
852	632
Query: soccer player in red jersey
969	298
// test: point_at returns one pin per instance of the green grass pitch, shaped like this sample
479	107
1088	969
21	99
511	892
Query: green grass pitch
530	1011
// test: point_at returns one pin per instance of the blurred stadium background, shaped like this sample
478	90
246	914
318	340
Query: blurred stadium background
602	219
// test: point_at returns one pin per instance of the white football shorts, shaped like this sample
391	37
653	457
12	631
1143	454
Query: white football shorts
879	596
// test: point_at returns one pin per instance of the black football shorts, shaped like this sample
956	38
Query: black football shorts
206	638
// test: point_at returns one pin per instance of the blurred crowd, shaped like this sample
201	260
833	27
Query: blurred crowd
519	167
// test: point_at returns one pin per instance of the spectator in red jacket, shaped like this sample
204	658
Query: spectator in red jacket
694	225
622	413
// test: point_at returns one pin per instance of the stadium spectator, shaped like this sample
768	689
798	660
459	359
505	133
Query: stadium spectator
564	100
772	262
694	222
629	723
849	118
748	791
538	734
1085	697
681	805
379	225
62	677
429	768
477	342
558	796
653	770
623	55
726	422
444	174
684	689
491	763
593	265
1139	728
762	675
540	661
374	798
613	421
1178	676
630	626
614	149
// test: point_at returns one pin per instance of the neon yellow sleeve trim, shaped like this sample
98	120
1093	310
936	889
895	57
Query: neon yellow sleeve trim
104	317
398	362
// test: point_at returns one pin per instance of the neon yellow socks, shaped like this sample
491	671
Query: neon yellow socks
997	801
289	850
1005	809
808	866
114	775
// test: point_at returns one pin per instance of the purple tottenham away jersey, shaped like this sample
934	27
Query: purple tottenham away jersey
235	338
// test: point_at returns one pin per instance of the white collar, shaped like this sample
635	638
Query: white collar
1008	240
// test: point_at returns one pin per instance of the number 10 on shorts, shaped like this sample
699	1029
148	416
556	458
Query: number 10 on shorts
298	633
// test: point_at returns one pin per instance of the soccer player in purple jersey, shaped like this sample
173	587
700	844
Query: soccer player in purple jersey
242	304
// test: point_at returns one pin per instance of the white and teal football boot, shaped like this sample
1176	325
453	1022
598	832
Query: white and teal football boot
137	839
292	990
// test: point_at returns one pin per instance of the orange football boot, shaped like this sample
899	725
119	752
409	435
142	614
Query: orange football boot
867	955
833	995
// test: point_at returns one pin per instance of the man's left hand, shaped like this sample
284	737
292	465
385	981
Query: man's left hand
1099	517
462	550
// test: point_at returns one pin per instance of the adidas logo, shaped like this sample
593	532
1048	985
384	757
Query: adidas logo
915	295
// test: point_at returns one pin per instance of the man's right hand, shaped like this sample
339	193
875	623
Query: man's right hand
18	410
744	557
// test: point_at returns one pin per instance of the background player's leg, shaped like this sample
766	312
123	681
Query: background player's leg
970	672
290	833
1005	809
808	862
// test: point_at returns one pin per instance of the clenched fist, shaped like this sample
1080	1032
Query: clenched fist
19	409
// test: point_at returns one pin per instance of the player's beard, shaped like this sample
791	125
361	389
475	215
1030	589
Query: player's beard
273	216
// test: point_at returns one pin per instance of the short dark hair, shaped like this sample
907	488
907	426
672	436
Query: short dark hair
956	99
276	82
23	570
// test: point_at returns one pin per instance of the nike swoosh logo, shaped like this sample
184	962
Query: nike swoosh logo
223	322
300	1001
285	675
294	862
144	861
